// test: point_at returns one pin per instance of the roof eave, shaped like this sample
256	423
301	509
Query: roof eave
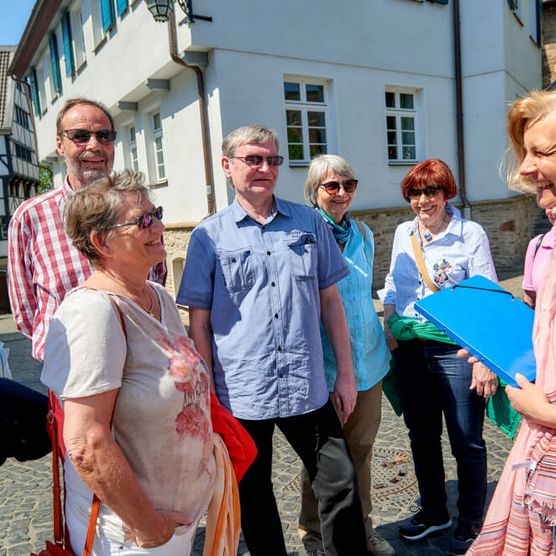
36	28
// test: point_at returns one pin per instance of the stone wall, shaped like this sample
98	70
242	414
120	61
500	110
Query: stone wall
509	223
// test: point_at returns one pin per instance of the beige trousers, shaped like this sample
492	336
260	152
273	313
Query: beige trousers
360	432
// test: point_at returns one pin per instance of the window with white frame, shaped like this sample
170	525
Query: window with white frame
306	120
132	145
401	125
158	147
76	21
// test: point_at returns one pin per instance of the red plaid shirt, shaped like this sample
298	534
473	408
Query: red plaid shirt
43	265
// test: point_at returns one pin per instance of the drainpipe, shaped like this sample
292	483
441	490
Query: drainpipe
203	112
459	111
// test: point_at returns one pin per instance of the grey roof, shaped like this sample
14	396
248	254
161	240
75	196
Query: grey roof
6	86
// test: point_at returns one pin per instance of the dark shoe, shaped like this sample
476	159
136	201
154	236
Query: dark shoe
422	525
317	552
463	538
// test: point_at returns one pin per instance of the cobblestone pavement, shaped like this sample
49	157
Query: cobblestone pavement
25	496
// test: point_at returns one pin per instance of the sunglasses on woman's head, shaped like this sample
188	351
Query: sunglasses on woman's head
144	221
428	191
332	187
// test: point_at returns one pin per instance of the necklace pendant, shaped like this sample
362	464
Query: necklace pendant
427	236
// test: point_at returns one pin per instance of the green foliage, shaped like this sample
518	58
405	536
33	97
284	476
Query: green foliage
45	179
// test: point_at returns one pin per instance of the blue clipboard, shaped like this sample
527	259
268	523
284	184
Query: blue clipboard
489	322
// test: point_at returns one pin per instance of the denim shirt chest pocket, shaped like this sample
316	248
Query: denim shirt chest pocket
303	255
237	268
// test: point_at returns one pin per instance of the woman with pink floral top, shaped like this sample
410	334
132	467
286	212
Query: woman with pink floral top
135	393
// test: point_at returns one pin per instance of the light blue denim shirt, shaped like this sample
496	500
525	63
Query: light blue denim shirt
370	354
460	252
261	284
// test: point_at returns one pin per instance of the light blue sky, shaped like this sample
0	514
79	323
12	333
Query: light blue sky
13	18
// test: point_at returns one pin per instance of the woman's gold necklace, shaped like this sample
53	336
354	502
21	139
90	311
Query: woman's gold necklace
151	300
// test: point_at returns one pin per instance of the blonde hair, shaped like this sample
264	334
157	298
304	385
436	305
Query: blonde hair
96	208
319	167
524	113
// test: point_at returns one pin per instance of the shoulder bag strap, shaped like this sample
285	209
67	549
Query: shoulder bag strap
420	260
56	490
538	244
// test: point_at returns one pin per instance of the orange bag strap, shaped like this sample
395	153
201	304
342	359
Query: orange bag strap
420	260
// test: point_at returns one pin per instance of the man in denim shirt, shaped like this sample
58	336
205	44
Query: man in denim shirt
259	277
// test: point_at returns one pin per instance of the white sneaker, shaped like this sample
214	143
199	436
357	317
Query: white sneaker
378	546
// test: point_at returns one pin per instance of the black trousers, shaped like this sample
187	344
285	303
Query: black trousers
318	440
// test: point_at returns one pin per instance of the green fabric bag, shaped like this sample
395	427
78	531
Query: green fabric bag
499	410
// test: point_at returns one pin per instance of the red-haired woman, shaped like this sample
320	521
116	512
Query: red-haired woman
433	380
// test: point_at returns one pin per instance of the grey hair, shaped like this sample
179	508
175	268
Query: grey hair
251	133
319	167
97	207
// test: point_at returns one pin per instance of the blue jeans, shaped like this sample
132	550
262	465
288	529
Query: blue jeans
433	381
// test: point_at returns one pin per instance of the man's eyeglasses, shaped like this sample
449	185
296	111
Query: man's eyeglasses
103	136
254	160
428	191
144	221
333	187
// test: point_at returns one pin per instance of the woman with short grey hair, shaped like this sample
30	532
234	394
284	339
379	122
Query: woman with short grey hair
330	187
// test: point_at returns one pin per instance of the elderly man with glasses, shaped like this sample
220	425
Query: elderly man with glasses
43	265
259	276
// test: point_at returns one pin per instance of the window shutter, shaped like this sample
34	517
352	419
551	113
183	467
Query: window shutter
107	14
121	6
68	46
55	64
35	92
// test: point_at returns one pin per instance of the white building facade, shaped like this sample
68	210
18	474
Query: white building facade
371	80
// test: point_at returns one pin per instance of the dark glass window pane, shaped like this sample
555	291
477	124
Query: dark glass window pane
291	91
293	117
408	153
316	119
317	135
406	101
315	93
392	137
317	149
392	153
408	124
294	135
391	122
295	152
408	138
390	99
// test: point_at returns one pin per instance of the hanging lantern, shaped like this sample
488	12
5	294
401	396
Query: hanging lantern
160	9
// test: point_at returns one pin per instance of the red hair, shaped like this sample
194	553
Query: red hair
430	172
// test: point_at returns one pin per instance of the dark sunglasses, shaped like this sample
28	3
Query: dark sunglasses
332	187
103	136
428	191
144	221
254	160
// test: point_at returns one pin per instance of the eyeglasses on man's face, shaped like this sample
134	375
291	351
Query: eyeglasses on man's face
333	187
144	221
255	160
83	136
427	191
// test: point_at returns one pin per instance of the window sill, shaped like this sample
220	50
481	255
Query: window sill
100	45
160	183
402	162
81	67
299	164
